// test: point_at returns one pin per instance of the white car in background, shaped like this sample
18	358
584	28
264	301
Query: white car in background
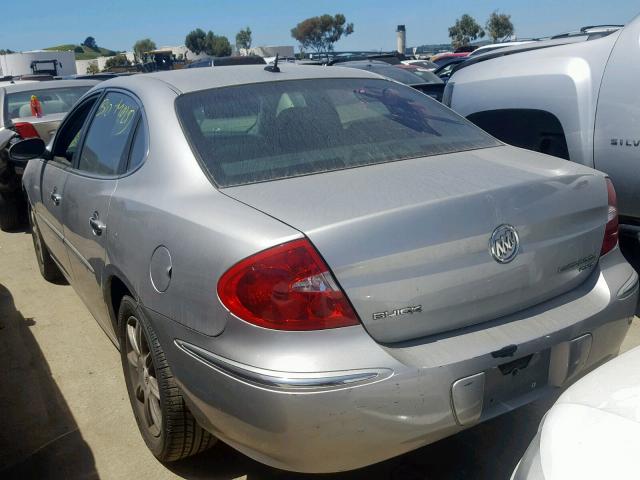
495	46
593	430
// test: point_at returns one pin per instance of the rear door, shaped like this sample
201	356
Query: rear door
49	200
49	210
90	184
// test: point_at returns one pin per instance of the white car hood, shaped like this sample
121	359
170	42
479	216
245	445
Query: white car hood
593	430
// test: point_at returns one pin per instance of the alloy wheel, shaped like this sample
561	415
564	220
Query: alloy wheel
142	374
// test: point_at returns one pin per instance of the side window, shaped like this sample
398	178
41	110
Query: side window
105	146
138	146
67	138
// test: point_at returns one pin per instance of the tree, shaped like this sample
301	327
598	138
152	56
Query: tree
217	45
243	40
6	52
141	47
90	42
320	33
92	69
195	41
499	26
119	60
465	30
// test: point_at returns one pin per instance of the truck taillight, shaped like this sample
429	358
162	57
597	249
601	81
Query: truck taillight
611	229
286	287
25	130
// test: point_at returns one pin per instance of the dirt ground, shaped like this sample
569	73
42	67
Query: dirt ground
64	411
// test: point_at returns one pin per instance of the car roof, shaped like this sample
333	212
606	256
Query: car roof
26	87
194	79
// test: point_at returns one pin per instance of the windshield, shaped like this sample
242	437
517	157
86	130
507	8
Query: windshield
270	131
51	100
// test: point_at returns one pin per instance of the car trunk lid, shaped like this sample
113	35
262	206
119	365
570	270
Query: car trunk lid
46	125
408	241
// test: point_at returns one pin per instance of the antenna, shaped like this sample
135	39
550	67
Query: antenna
273	68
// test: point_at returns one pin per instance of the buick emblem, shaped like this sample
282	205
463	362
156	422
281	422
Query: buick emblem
504	244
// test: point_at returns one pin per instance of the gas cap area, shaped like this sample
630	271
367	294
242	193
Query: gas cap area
160	269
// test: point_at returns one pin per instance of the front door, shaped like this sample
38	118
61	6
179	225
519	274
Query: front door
48	210
49	196
88	191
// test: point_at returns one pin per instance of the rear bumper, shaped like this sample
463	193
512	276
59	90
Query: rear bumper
348	401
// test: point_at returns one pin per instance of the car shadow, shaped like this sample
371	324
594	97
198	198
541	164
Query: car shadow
39	437
489	451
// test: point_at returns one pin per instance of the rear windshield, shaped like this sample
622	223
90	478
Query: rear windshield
52	100
268	131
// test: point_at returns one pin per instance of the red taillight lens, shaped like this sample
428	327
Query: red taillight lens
611	229
25	130
288	287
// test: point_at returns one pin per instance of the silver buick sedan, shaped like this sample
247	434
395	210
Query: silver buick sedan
320	266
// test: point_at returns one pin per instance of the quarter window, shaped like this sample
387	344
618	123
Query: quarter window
105	148
138	147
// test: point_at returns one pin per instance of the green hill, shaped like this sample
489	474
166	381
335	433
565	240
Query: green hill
83	52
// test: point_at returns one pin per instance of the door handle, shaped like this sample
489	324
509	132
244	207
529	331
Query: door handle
96	225
55	198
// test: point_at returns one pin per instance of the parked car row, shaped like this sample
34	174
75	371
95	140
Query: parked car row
322	267
580	103
573	96
27	110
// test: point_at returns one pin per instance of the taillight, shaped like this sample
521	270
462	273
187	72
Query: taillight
611	229
287	287
25	130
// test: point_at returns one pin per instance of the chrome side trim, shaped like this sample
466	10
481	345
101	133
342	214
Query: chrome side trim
48	223
283	380
84	261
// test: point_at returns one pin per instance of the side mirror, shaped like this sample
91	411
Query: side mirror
27	149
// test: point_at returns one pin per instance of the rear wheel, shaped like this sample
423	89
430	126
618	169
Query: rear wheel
48	268
165	422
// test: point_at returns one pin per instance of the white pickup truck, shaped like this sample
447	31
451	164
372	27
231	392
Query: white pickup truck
579	100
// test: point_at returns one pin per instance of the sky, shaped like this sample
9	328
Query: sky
117	24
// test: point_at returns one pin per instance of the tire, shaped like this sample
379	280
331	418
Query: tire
9	212
166	424
48	268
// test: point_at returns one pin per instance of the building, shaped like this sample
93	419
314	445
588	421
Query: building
37	61
182	52
83	65
100	62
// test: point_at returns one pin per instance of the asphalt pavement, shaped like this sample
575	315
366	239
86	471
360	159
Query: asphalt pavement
64	411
